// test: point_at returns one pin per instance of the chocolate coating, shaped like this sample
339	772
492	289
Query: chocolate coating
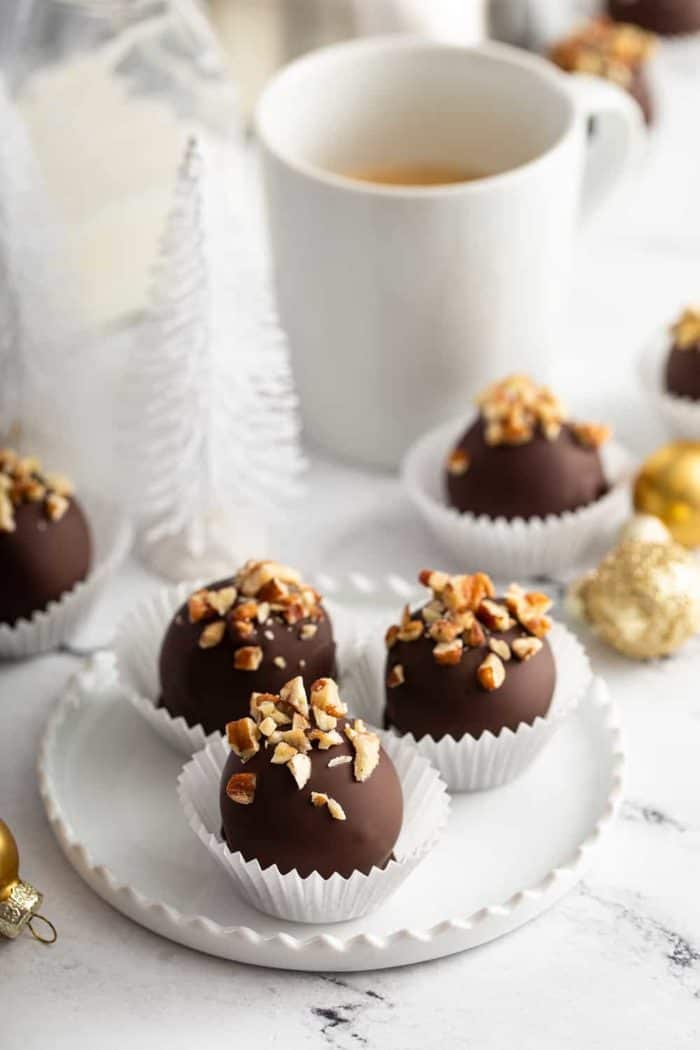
41	560
449	701
641	92
282	827
205	688
667	17
531	480
683	372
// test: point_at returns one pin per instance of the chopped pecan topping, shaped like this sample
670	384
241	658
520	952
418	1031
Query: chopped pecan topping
525	648
279	661
248	658
335	809
212	634
392	636
243	736
318	799
445	630
495	616
7	514
395	676
241	788
474	635
222	600
448	654
602	47
324	695
458	462
56	506
297	739
198	607
435	580
339	760
500	648
592	435
300	768
308	631
283	753
491	672
366	754
294	694
686	330
331	738
324	721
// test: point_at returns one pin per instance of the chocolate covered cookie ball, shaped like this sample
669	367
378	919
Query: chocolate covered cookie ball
522	459
45	545
468	662
667	17
683	363
248	633
308	789
616	51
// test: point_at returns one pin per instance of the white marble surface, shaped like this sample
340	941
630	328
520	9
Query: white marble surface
617	964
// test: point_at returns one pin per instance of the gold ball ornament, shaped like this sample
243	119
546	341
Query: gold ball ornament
668	486
643	599
19	901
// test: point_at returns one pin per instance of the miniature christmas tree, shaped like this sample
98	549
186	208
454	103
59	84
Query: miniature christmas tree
209	423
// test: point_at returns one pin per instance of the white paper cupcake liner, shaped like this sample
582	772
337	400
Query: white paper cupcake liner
680	415
315	899
509	549
137	645
49	628
468	764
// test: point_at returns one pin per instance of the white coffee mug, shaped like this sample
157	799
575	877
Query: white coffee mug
400	302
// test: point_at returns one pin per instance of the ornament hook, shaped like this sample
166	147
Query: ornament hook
53	934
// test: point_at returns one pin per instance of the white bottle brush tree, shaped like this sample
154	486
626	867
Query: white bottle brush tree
210	425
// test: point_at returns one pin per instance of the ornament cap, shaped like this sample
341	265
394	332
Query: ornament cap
18	908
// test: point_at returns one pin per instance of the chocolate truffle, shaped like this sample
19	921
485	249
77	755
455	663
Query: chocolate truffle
307	789
613	50
467	662
241	635
667	17
45	546
521	459
683	363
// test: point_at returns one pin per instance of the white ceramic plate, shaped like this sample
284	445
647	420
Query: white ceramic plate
109	787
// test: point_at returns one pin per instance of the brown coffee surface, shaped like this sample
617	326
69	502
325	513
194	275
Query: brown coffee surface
417	175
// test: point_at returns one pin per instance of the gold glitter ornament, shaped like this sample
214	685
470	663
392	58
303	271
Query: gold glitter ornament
668	486
643	599
19	901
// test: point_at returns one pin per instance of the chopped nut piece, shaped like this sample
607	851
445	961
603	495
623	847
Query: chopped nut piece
273	590
300	768
56	506
268	726
433	611
335	809
248	658
294	694
279	661
525	648
396	676
263	612
593	435
243	629
326	740
300	721
494	615
458	462
323	721
222	600
308	631
198	607
297	739
500	648
444	631
324	694
435	580
339	760
241	788
366	755
59	483
686	330
491	672
255	574
474	635
243	736
411	631
392	636
244	611
318	798
7	515
283	754
212	634
447	654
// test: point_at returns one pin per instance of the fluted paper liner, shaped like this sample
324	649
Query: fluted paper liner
469	764
315	899
49	628
680	415
137	648
520	548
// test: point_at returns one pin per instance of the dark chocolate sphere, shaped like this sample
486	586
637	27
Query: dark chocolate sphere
683	372
282	827
41	559
529	480
204	685
667	17
439	701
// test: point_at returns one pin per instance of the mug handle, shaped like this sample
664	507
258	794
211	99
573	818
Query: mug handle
616	140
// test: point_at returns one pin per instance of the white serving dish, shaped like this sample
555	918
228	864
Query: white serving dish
109	788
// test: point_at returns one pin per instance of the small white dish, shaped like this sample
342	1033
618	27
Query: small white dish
505	857
49	628
513	549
